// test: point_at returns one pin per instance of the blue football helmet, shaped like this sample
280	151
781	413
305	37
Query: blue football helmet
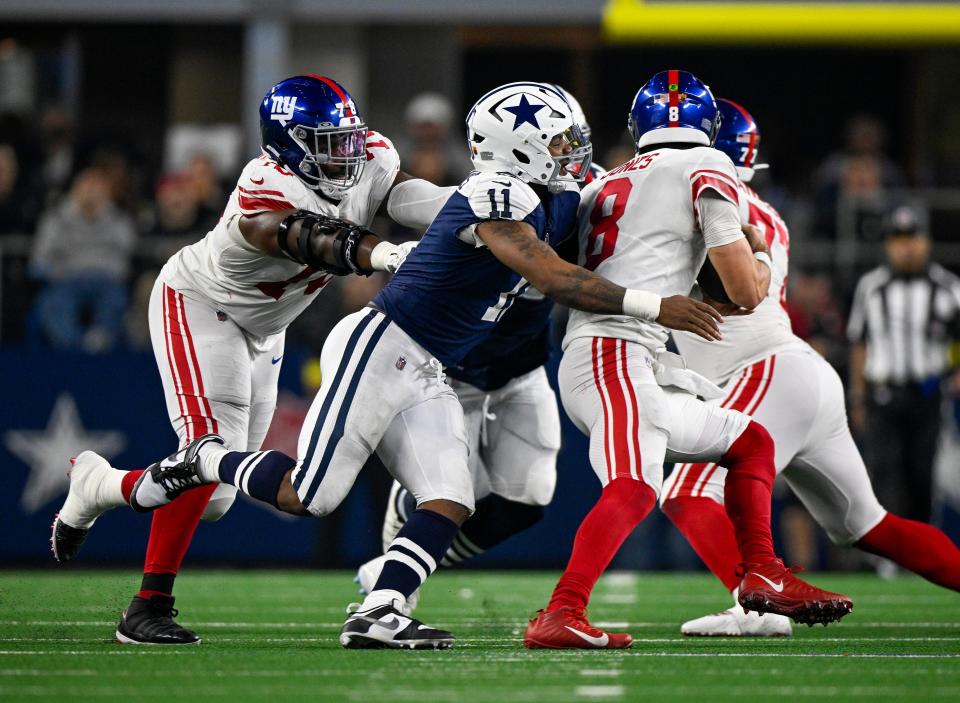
311	125
739	138
673	106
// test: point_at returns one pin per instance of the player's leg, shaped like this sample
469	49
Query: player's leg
608	389
707	432
772	391
831	480
206	376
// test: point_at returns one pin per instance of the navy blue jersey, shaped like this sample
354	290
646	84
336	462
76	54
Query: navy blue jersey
519	343
451	291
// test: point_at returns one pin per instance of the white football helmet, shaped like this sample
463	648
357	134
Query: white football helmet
578	114
510	130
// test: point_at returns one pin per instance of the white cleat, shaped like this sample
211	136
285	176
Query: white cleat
92	481
367	576
733	622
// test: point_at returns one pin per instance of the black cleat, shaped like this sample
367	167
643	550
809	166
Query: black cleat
152	622
385	627
168	478
65	542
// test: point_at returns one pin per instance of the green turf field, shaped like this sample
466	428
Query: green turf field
272	636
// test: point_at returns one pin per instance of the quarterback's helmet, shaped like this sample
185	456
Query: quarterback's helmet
511	128
310	124
673	106
738	138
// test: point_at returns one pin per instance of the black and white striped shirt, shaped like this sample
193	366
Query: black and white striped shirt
907	323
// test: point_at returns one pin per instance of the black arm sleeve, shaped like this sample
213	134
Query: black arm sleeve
315	227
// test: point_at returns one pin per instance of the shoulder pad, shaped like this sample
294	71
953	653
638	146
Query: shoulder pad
496	196
381	153
266	185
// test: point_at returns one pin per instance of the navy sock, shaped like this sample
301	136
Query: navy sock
494	520
413	554
258	474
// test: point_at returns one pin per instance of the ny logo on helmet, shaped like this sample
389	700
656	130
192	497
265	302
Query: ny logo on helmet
282	107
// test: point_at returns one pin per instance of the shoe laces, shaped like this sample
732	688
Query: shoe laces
578	616
163	607
175	479
743	568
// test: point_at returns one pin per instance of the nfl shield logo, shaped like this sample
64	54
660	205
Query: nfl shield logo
401	362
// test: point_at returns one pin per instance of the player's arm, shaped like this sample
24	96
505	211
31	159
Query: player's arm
516	245
414	202
742	264
322	242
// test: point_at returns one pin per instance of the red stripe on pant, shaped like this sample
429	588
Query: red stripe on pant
620	422
696	475
173	525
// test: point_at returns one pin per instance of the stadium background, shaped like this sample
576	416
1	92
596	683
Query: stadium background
140	88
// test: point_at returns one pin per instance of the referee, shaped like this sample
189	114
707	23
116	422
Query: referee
906	314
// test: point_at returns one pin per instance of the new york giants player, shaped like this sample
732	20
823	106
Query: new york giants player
651	222
384	387
769	373
511	416
220	307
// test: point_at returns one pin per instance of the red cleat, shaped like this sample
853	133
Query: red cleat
567	628
772	588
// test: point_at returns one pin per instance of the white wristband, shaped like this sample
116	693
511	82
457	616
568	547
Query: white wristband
763	257
380	256
641	305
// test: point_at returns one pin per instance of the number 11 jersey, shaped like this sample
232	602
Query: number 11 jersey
451	291
639	227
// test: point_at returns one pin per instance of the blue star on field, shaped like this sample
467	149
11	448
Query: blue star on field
525	113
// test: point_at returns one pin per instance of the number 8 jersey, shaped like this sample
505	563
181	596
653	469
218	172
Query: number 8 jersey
640	228
451	291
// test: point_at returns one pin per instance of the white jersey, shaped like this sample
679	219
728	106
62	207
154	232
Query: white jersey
639	227
767	330
262	294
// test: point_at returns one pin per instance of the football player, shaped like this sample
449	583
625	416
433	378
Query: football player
220	307
512	421
771	374
650	223
385	389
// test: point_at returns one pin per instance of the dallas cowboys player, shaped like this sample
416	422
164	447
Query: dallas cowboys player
220	307
386	390
512	421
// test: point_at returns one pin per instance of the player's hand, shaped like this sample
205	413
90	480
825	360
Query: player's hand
392	257
725	309
755	238
678	312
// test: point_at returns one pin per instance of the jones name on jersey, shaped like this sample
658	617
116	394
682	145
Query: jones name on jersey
451	291
261	294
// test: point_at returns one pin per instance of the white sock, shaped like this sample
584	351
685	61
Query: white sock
384	596
209	465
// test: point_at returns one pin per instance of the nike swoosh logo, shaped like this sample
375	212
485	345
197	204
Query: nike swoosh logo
389	625
254	180
276	360
595	641
778	587
504	183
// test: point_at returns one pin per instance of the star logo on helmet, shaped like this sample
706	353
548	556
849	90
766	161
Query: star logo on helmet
525	112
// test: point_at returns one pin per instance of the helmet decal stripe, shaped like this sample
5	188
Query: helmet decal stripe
673	88
752	145
336	89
